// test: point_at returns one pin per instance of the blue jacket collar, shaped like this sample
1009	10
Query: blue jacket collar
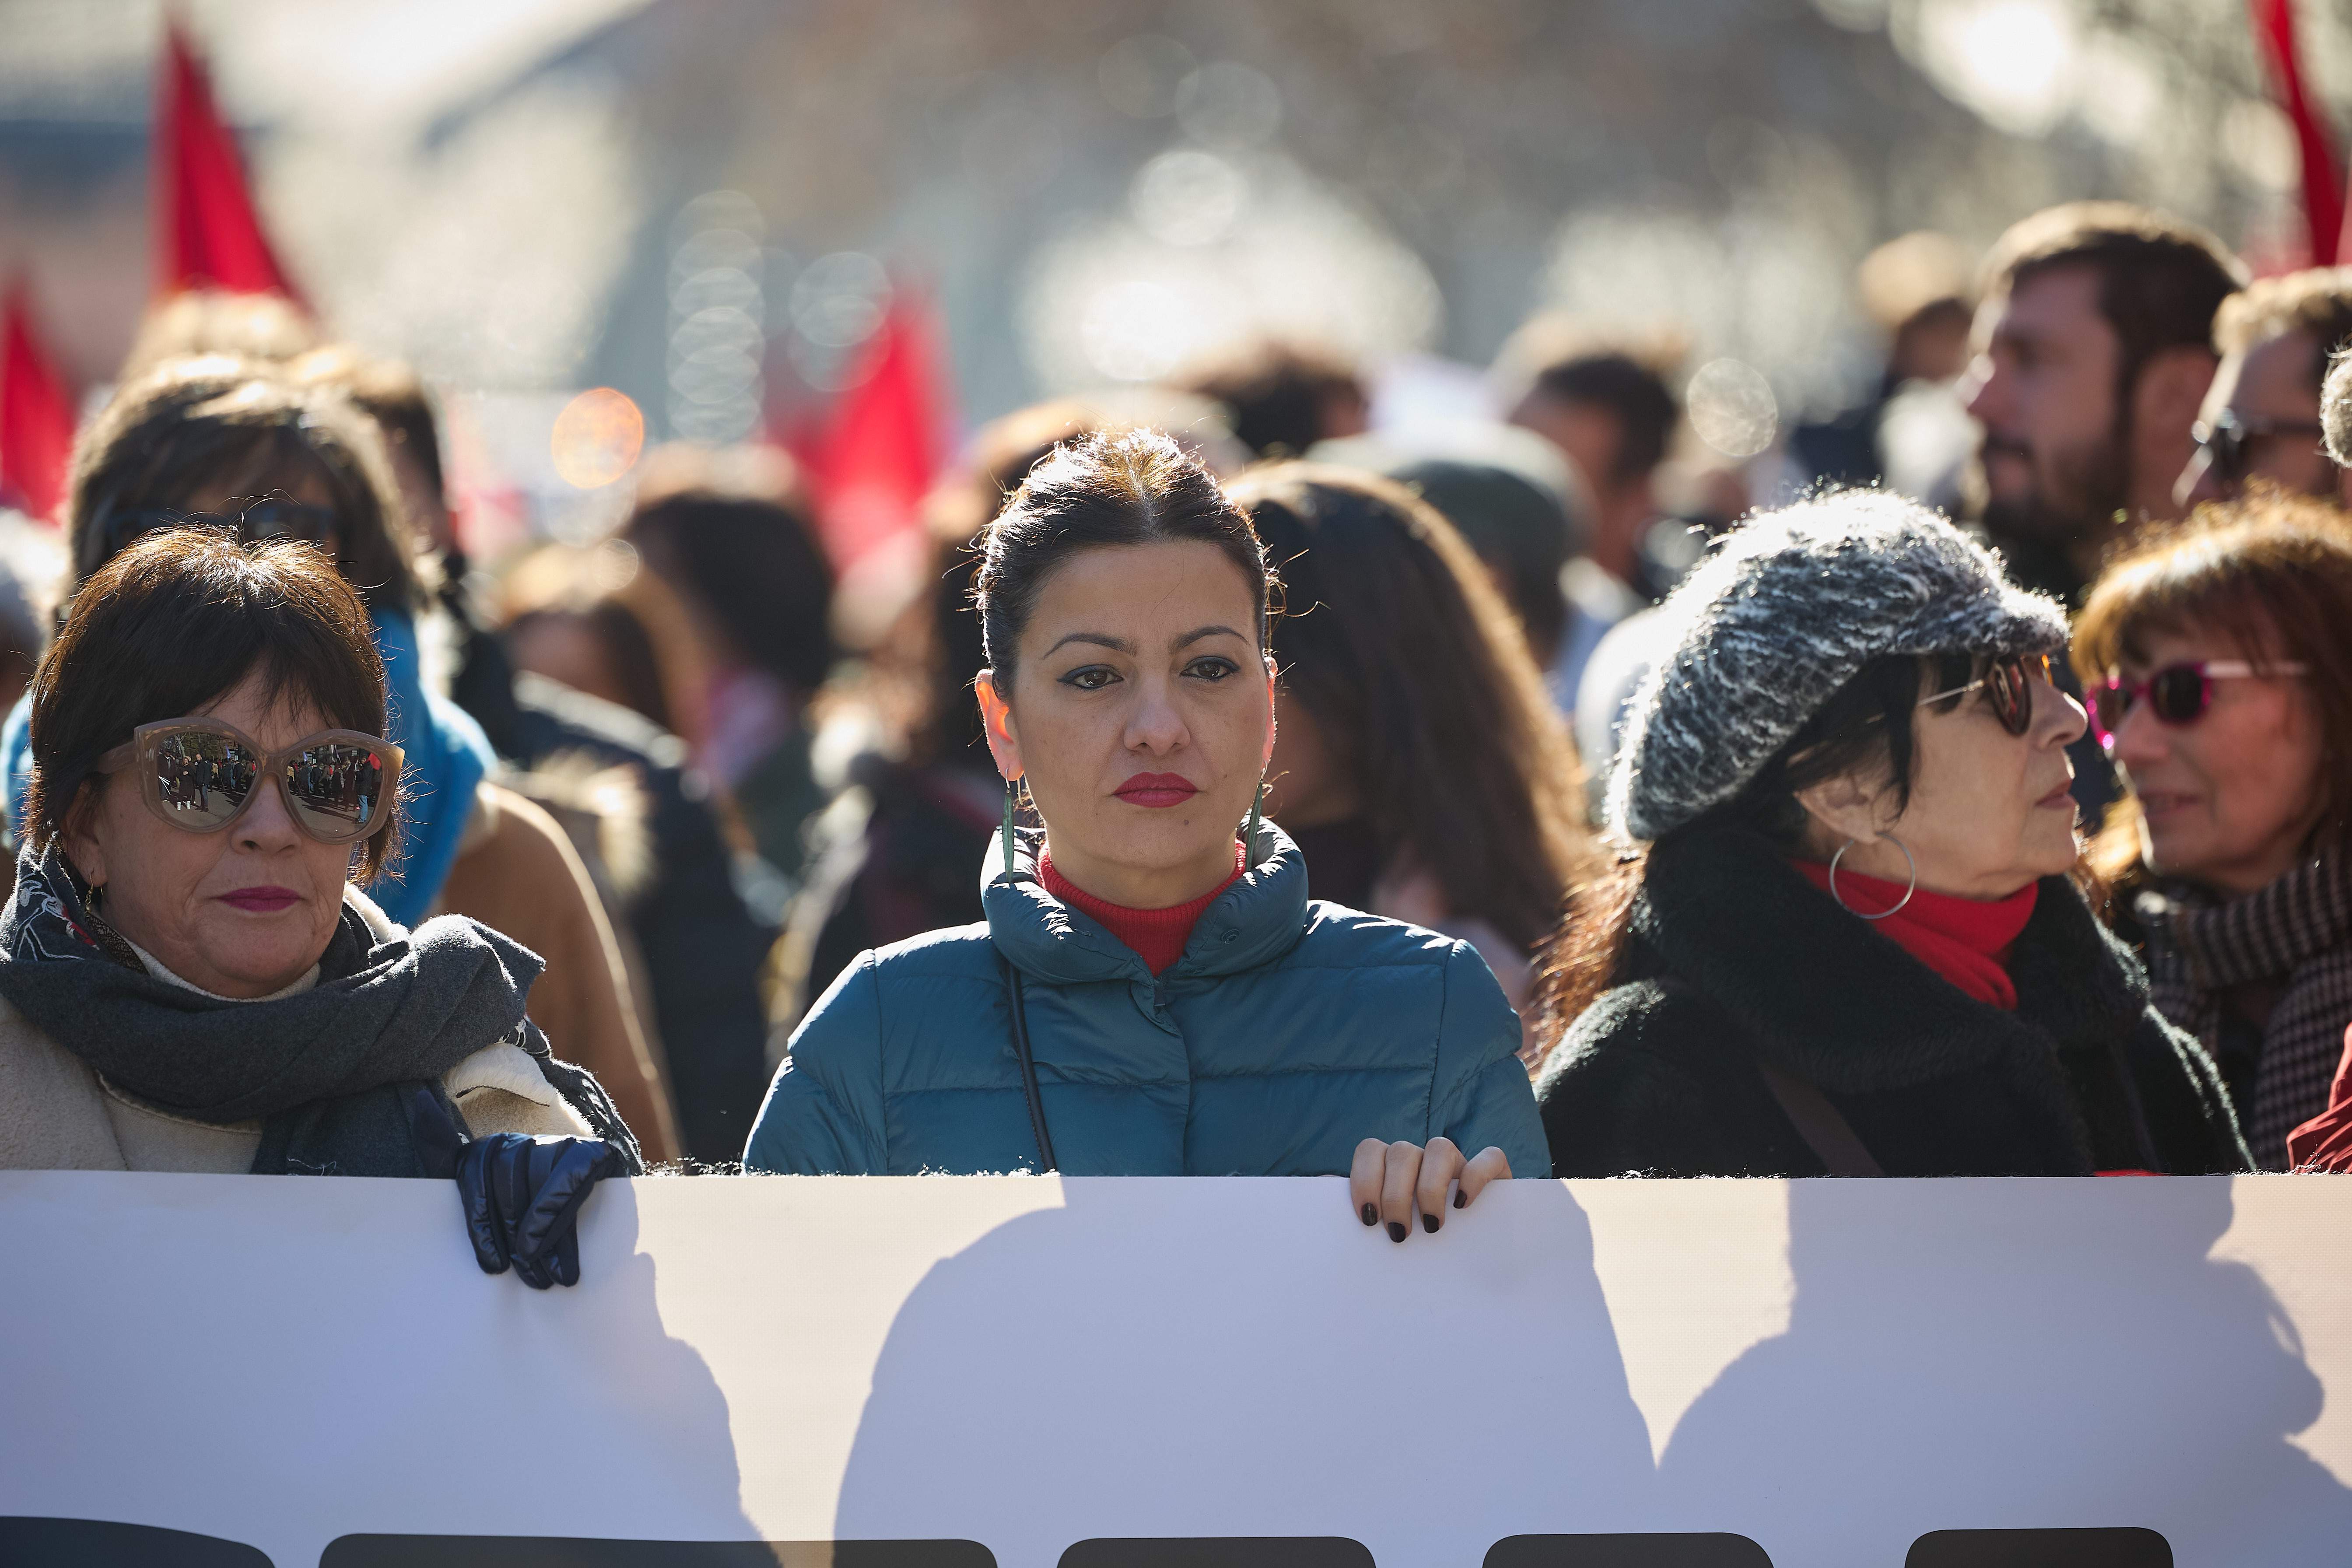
1253	923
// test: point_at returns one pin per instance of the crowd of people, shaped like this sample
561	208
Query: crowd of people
1266	795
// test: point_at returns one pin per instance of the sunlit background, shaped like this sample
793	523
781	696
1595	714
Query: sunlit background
706	205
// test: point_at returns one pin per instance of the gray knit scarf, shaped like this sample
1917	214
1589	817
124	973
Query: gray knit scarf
345	1077
2294	935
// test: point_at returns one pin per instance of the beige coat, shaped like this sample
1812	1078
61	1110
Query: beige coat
56	1114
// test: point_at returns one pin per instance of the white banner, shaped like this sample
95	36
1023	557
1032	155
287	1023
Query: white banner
1102	1374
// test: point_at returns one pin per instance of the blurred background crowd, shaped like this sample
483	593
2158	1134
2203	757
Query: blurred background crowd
703	336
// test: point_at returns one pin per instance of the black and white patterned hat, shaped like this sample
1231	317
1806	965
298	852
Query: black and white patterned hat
1784	611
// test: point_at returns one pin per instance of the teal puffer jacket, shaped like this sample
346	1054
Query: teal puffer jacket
1286	1034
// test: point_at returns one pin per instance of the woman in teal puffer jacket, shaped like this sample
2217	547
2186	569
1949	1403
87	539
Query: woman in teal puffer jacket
1149	995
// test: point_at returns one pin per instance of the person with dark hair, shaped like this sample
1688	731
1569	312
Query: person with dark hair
731	533
1608	407
189	980
1152	993
2220	678
1852	944
2261	418
605	669
697	947
1416	764
227	441
1282	397
2095	348
893	853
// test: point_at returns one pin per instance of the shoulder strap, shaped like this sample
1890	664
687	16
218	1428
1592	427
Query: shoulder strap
1825	1132
1028	1064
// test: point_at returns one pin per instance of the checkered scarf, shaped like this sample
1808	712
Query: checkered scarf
2295	935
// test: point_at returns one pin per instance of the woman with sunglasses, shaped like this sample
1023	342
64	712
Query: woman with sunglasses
2218	660
1152	992
189	980
1849	944
224	440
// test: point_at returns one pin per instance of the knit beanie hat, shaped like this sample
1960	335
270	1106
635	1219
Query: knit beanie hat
1785	610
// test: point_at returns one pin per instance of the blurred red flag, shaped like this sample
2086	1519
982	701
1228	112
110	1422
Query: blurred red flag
2323	183
875	457
36	414
206	232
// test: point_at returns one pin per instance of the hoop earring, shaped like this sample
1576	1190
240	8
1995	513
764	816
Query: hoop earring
1257	814
1898	904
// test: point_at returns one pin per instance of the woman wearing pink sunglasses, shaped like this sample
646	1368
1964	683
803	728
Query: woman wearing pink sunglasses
2218	662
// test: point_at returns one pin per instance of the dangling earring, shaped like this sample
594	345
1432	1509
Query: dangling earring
1898	904
1012	788
1257	813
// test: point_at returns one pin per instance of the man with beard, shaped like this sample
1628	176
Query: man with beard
2095	352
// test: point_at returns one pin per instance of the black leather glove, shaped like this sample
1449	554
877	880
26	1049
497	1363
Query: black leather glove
522	1198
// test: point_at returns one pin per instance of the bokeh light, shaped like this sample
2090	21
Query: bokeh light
597	438
1732	408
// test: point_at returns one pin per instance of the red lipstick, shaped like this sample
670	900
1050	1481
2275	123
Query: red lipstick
1157	790
263	900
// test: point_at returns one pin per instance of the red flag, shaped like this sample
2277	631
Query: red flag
206	232
36	414
876	457
2322	185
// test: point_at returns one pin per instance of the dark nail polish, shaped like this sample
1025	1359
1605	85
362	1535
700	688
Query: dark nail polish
1459	1199
1396	1231
1429	1223
1371	1214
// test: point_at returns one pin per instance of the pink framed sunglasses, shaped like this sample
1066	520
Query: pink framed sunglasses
2178	694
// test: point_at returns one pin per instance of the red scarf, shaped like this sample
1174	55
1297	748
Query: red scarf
1157	936
1965	941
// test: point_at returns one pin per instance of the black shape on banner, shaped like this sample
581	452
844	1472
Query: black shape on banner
562	1551
2039	1549
1221	1552
1695	1551
81	1542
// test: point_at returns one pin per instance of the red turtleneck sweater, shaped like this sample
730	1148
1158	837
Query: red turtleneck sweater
1965	941
1157	936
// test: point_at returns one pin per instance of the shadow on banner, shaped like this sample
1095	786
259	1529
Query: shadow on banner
1077	1381
1958	1363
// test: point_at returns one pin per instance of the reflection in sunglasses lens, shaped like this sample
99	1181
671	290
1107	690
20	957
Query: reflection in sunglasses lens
334	787
202	778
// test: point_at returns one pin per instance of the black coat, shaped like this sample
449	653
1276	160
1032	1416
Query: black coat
1732	957
703	948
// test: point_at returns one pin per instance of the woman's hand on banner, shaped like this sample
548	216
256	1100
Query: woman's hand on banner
1389	1181
522	1197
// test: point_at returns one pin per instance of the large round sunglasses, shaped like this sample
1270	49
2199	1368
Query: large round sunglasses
200	775
2177	694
